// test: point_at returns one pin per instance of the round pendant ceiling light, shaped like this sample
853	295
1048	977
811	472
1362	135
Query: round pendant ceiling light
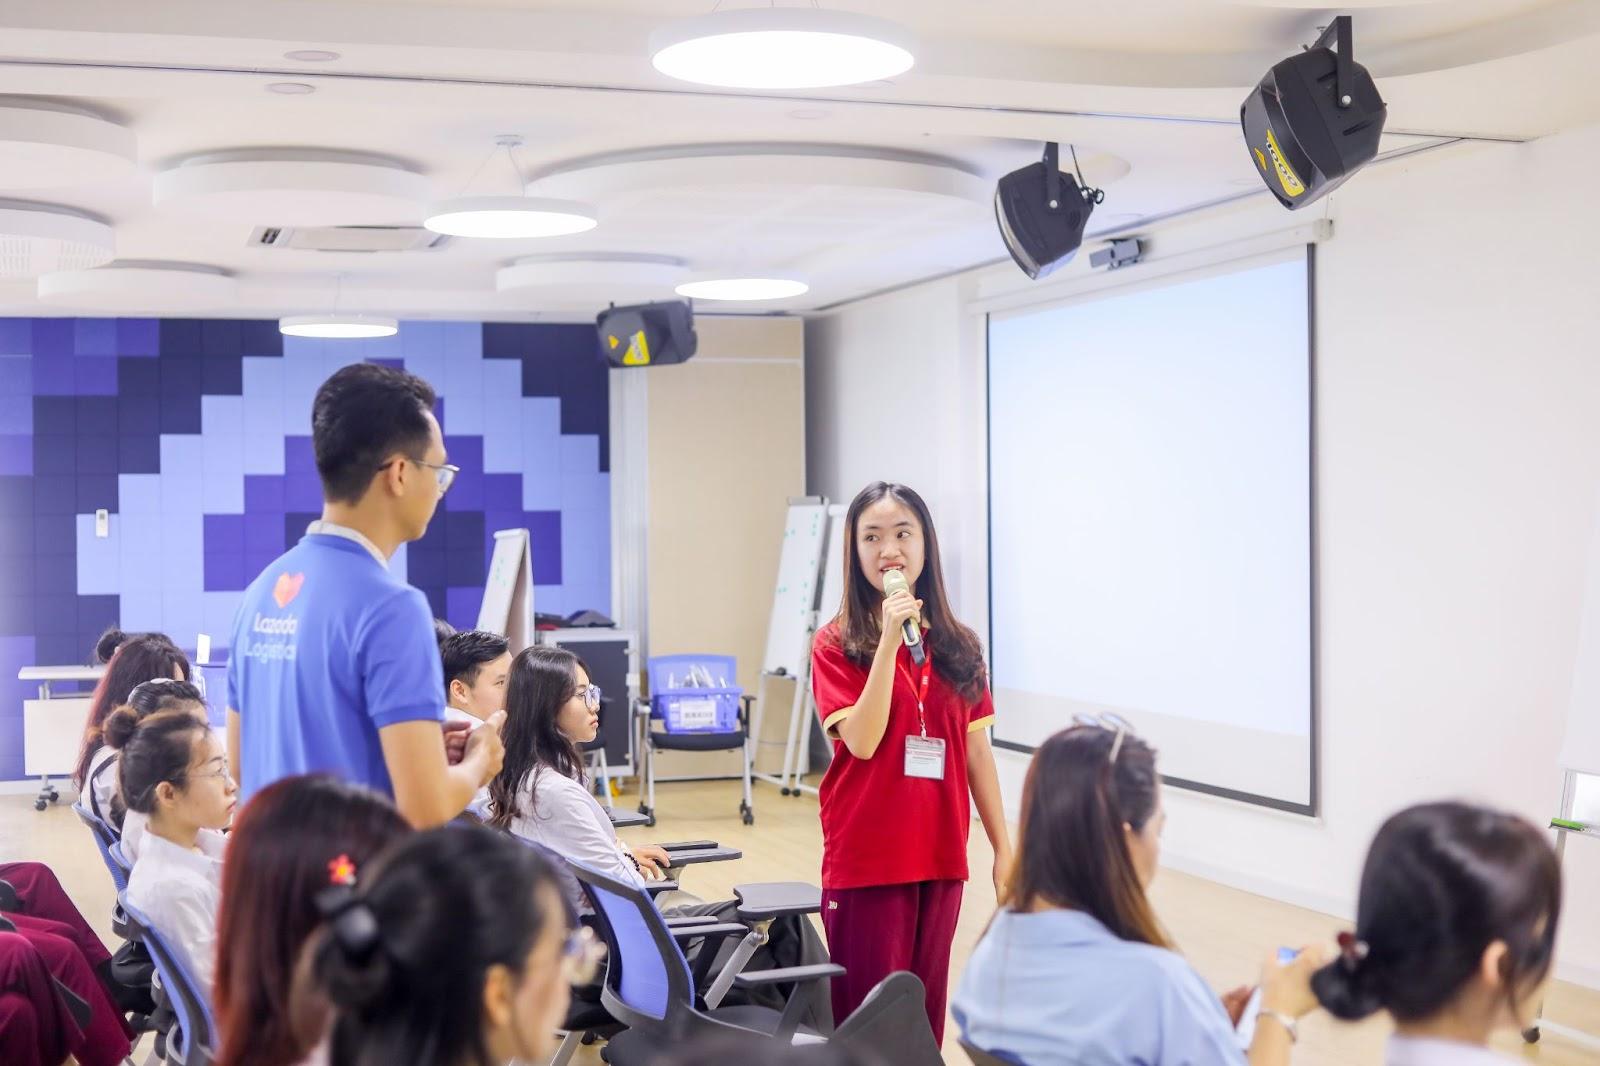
509	217
781	48
742	289
338	326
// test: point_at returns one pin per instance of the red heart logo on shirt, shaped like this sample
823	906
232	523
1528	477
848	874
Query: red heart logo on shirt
287	588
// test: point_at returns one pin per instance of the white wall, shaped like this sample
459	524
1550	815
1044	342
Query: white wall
1459	453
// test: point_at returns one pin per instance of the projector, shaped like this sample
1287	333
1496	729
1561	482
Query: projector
1313	121
647	334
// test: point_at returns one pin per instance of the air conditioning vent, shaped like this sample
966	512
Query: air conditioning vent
347	238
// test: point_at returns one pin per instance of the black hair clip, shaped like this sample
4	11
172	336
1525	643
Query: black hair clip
350	920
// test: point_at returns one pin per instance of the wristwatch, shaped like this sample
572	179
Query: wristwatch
1284	1020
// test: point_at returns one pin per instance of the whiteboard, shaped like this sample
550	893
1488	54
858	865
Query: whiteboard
1581	749
832	567
508	591
794	601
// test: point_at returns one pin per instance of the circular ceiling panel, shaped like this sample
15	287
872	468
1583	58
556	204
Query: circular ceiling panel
618	278
40	239
295	187
139	286
764	166
46	145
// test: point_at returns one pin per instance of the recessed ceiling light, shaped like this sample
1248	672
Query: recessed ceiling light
338	327
742	289
781	48
291	88
311	55
509	217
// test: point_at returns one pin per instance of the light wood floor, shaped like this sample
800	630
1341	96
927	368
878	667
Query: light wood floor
1224	932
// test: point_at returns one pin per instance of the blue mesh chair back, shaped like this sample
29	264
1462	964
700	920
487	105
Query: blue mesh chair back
647	977
105	840
190	1041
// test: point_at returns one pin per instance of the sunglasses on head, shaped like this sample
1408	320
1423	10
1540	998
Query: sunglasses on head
1111	723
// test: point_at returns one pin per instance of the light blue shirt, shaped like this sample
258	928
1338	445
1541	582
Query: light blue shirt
1056	988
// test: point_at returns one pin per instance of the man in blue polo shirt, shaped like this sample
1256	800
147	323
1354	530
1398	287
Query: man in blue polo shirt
334	666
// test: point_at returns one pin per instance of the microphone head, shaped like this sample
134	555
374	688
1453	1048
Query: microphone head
895	581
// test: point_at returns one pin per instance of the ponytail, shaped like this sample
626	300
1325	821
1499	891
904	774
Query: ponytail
1443	882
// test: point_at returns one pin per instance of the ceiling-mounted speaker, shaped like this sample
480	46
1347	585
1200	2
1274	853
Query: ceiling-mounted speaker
1314	120
647	334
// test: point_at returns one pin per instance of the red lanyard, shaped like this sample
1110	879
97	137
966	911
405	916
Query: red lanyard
921	689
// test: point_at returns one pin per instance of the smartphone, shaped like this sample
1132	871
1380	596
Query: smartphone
1252	1008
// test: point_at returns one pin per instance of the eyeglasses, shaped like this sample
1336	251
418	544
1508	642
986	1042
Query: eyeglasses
582	956
591	697
1111	723
445	472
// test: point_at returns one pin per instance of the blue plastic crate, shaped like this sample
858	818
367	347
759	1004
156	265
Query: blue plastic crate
695	693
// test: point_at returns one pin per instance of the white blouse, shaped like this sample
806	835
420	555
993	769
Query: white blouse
1420	1051
180	891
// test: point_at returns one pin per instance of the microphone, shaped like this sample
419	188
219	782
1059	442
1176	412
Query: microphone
895	581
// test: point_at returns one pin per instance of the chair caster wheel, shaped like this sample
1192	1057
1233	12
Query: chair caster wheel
39	804
651	823
784	791
749	819
54	796
642	808
1531	1036
745	813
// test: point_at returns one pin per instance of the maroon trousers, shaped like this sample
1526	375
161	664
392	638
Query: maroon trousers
874	931
40	895
35	1027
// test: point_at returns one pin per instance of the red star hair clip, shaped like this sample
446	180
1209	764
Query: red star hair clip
341	871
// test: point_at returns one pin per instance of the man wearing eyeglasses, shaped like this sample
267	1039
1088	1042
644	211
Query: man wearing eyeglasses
334	666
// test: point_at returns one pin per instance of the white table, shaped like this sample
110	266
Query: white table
52	725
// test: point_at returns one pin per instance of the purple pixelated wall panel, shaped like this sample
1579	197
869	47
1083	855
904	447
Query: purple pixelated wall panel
195	436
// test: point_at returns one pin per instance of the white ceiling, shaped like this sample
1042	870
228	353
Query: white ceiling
1148	91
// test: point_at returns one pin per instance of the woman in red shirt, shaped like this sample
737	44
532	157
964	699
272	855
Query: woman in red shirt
909	748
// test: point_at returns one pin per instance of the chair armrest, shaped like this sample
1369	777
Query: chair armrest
656	888
695	932
699	855
688	845
772	899
621	819
787	974
683	921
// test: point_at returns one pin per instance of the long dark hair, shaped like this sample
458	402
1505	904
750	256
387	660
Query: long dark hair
1072	851
281	854
154	749
956	651
542	680
405	959
1442	882
136	660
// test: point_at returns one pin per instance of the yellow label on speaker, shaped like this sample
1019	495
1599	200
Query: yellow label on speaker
612	338
1261	161
638	353
1292	185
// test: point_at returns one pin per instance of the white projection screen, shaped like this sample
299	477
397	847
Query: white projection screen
1151	516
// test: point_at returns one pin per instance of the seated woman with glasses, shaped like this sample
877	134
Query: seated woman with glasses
1075	967
455	948
542	794
174	772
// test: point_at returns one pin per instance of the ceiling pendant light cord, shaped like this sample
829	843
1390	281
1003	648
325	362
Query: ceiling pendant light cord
482	163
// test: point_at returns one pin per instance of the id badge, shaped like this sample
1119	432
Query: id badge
925	757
